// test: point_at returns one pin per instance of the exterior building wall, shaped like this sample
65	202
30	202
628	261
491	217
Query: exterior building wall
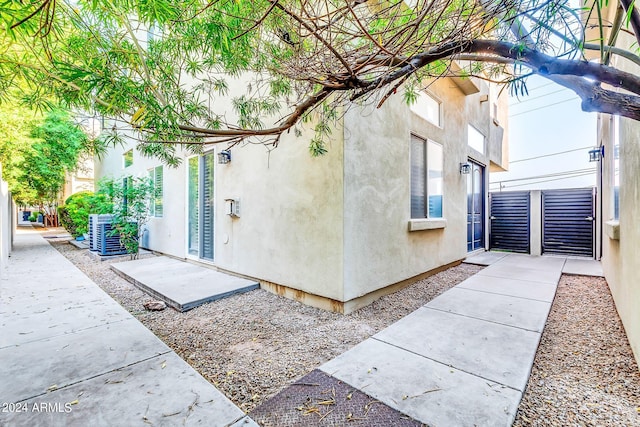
332	229
80	180
379	248
620	254
7	225
290	227
167	233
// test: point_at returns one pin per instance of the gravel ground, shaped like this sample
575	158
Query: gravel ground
254	344
584	373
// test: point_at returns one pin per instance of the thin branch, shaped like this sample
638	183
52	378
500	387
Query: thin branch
634	16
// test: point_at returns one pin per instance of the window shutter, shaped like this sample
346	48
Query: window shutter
158	188
208	210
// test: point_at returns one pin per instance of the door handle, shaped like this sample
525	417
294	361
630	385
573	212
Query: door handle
589	218
492	217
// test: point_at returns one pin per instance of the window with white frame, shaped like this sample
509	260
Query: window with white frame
475	139
156	176
427	183
427	107
615	167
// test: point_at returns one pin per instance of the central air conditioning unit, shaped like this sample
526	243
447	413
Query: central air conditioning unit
102	238
108	242
94	221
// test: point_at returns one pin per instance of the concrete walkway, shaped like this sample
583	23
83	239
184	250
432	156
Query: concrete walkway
464	358
71	356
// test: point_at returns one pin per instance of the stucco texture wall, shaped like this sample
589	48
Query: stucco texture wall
290	227
6	224
379	248
334	226
621	257
166	234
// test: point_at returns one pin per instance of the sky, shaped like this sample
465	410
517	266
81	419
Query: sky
546	122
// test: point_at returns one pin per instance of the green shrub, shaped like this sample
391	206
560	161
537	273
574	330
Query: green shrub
33	217
74	215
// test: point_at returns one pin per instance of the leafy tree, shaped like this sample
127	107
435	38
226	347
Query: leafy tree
161	67
56	149
16	123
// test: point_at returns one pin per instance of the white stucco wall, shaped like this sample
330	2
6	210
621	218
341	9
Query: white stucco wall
379	248
290	227
166	234
6	225
621	257
335	226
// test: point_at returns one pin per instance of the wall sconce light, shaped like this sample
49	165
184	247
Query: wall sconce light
224	157
465	168
596	154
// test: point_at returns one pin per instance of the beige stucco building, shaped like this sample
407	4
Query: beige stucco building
400	194
619	187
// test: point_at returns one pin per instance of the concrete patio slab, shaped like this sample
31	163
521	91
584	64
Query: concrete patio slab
485	258
428	391
161	391
76	357
512	271
499	353
513	287
181	285
506	310
583	267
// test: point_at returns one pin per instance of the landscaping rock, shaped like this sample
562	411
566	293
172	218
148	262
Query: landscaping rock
155	305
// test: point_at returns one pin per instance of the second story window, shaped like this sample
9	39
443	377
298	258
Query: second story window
475	139
428	107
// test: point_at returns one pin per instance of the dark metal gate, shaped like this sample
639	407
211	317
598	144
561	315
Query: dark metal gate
568	222
510	229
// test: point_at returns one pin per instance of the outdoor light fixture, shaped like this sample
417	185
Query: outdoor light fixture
224	157
465	168
596	154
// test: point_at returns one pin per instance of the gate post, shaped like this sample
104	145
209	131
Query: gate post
535	218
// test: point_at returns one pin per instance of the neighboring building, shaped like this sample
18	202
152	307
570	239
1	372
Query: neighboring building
79	180
387	204
619	187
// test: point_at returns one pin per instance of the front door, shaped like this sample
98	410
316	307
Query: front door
201	206
475	207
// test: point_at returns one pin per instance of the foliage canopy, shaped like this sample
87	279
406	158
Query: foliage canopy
168	71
